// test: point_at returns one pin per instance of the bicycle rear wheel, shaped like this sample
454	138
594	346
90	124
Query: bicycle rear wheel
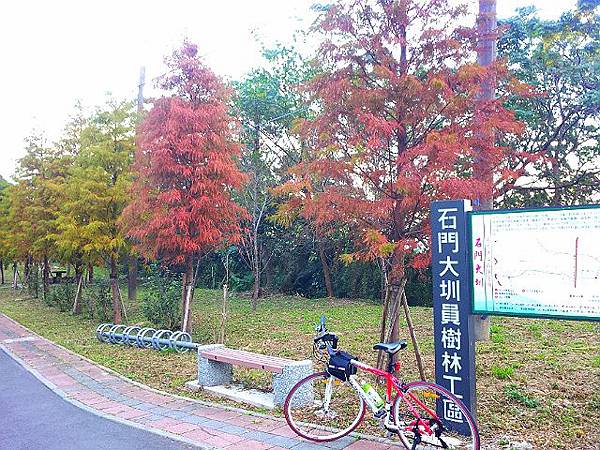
322	408
433	417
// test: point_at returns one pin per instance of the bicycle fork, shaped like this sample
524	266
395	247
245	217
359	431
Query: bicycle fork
328	392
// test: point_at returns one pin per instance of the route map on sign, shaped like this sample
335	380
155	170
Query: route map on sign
537	263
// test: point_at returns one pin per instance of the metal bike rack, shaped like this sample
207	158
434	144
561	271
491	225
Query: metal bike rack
135	336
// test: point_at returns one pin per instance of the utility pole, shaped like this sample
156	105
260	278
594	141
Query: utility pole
140	98
487	31
486	57
132	269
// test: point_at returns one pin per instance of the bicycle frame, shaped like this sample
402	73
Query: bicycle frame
409	409
392	383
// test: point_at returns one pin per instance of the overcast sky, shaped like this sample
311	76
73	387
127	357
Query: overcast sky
57	51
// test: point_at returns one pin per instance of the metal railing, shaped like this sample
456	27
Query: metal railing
145	337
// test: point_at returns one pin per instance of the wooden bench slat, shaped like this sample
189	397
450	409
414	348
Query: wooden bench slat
248	355
247	359
245	363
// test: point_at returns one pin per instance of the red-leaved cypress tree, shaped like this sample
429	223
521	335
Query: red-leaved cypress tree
397	127
185	171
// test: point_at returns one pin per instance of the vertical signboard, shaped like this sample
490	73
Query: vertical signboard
453	329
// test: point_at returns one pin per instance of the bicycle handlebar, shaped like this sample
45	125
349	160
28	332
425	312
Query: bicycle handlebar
321	327
327	339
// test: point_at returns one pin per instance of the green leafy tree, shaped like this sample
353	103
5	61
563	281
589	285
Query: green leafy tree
97	191
70	142
560	59
268	102
34	204
70	244
6	250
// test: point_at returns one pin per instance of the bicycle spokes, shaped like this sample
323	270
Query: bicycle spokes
321	408
428	417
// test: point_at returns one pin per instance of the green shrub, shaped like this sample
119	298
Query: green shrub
243	282
97	301
161	302
33	282
61	295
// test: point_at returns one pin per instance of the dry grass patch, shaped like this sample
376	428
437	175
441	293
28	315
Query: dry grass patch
537	380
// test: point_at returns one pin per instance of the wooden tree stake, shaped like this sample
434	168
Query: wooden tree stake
223	314
77	295
413	337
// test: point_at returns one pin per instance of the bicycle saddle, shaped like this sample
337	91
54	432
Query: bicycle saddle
391	348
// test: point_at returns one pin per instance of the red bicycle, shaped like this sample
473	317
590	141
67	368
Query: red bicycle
328	405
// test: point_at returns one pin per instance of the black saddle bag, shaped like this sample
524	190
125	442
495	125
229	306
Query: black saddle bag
339	365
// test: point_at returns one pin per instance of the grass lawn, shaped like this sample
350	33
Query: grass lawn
537	380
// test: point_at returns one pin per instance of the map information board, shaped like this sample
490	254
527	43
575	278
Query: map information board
539	263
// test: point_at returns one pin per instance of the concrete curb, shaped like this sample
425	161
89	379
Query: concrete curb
80	405
150	388
60	393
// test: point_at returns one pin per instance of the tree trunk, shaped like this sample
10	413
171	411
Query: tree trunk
394	317
326	270
183	293
27	268
90	273
132	271
556	195
46	277
255	289
255	268
116	295
34	271
77	302
15	279
356	280
383	327
256	219
90	302
395	299
382	285
2	270
390	329
396	279
188	295
269	275
79	279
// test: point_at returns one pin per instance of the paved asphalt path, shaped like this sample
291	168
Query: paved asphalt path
33	417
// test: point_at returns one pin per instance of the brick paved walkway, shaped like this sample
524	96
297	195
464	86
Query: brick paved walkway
102	391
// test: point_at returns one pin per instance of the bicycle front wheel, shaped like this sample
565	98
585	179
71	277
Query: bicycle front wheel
322	408
432	417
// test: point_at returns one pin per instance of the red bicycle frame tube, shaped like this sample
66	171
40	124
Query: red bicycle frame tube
391	382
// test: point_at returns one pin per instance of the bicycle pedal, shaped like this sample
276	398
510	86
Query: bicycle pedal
379	414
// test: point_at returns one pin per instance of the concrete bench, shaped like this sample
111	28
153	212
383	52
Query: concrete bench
215	368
